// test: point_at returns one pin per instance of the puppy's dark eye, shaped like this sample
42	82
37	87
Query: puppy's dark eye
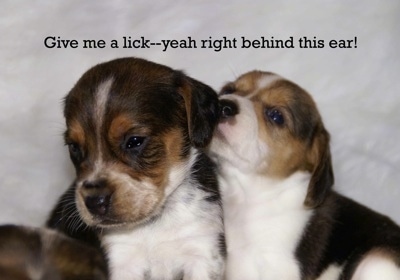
75	151
133	142
275	116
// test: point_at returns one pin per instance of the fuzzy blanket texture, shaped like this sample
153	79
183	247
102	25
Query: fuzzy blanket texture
345	53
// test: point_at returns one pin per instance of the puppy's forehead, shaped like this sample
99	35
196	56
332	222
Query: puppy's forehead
118	78
250	83
120	86
269	87
273	91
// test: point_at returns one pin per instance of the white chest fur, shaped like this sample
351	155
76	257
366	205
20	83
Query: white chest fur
264	220
182	242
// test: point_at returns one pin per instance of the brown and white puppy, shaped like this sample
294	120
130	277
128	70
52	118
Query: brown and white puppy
34	253
135	132
282	219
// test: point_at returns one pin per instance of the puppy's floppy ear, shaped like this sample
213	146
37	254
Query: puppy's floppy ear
322	178
201	103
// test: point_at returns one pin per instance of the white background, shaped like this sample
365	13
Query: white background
356	89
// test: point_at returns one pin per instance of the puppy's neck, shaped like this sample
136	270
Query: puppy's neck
252	187
264	218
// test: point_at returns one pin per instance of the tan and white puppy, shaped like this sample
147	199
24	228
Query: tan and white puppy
136	132
282	219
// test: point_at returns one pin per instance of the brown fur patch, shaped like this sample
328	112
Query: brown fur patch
248	82
76	133
120	125
174	144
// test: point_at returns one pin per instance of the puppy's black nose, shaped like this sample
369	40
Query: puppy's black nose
228	108
98	204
